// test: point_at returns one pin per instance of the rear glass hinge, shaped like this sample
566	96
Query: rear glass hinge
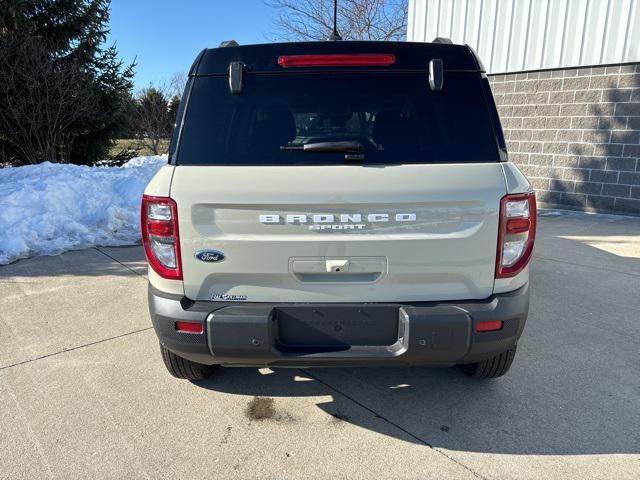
436	74
236	70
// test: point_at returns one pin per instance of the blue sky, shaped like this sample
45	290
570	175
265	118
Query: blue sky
165	36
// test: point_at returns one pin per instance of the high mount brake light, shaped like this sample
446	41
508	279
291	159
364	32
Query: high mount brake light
337	60
160	237
516	233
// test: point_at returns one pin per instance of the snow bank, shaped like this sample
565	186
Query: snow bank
49	208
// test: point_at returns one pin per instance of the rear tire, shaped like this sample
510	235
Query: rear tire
182	368
493	367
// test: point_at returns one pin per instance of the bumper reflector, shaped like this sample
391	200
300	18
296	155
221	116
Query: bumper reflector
490	326
189	327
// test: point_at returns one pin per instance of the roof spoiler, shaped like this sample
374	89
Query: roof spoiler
194	66
263	58
476	57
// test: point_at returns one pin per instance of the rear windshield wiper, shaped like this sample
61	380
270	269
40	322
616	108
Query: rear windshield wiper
329	147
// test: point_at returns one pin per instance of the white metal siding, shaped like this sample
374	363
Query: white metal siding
515	35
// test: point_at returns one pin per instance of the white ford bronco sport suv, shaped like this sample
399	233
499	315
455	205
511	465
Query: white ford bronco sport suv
338	204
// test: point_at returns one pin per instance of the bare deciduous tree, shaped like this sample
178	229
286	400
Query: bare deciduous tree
41	96
153	118
357	19
177	83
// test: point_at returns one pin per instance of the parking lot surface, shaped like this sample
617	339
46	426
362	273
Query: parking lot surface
84	393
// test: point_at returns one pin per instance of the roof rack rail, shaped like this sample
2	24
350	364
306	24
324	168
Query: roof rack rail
228	43
442	40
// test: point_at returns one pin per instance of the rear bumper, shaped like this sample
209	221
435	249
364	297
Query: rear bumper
261	334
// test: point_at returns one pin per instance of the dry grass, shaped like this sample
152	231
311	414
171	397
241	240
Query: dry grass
130	147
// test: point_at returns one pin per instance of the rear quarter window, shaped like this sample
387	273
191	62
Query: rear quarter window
394	116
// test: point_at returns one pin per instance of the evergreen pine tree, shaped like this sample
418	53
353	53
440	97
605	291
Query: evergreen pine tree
62	42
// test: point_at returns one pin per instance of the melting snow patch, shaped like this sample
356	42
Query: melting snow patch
48	208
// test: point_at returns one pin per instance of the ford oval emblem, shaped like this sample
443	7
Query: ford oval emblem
210	256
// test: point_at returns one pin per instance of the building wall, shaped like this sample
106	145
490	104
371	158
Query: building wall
566	78
517	35
575	133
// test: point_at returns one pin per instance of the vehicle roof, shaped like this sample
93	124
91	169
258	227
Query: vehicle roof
263	58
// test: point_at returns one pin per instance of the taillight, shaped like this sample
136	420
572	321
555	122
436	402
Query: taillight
159	224
337	60
516	233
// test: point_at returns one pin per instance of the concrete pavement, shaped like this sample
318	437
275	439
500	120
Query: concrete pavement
84	394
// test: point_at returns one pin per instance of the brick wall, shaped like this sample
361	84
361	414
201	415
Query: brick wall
575	133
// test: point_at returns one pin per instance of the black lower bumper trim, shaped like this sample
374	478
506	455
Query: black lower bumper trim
294	335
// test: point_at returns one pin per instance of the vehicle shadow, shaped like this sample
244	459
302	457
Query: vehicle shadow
574	387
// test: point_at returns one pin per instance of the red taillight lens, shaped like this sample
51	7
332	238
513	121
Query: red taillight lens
516	233
337	60
189	327
518	225
490	326
162	229
159	225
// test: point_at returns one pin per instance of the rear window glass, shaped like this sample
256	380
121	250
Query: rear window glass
393	117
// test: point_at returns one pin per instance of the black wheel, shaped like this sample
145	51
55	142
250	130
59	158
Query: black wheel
182	368
493	367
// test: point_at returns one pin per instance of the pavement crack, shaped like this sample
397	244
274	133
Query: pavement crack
392	423
119	262
77	347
